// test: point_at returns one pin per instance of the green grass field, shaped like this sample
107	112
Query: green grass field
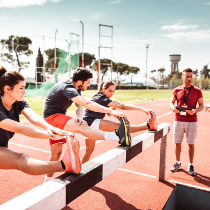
123	96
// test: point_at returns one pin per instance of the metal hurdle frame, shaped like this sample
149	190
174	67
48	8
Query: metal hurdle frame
60	191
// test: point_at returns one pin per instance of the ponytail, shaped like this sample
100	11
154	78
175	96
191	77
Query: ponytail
2	71
9	78
99	90
103	85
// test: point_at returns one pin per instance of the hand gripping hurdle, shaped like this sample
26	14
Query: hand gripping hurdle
59	192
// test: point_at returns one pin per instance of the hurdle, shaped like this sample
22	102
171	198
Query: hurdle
59	192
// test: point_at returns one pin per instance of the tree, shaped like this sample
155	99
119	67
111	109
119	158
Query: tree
88	59
21	48
205	71
120	69
60	60
39	63
104	66
204	81
161	71
196	73
133	70
153	78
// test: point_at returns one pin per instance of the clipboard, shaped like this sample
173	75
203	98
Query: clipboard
182	109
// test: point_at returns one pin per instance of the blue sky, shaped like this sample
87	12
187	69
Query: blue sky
168	26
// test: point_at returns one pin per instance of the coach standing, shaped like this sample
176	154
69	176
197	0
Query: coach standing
187	97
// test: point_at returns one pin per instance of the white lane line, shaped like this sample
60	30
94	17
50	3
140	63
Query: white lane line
137	173
41	150
164	115
190	185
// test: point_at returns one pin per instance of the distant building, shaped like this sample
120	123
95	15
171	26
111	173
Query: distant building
137	80
175	58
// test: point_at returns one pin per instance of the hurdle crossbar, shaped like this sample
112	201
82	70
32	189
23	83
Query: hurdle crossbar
60	191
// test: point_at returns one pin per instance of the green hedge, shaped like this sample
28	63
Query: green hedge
122	87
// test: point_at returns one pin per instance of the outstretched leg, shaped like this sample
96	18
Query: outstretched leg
108	126
11	159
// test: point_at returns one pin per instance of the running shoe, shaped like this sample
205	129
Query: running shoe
71	156
123	132
176	167
191	171
152	124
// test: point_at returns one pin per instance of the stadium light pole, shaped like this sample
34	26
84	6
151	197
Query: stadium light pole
69	70
147	46
82	43
55	52
13	51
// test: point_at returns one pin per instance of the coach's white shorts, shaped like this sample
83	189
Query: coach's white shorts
190	128
95	125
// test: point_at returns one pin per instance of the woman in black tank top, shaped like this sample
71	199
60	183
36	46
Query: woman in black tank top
12	90
103	97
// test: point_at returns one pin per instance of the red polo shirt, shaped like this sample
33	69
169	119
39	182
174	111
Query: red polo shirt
195	94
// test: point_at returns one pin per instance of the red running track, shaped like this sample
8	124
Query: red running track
135	185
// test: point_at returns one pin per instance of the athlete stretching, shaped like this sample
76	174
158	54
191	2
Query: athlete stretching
95	119
61	97
12	104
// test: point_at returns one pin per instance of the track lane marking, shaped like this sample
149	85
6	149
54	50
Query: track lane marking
137	173
191	185
41	150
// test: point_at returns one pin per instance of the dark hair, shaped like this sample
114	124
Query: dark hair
10	78
82	74
105	85
187	70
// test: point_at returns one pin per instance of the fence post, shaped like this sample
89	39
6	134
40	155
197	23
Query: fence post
163	146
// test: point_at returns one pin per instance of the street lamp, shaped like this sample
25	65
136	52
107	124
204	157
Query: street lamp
13	51
55	52
77	46
147	46
82	43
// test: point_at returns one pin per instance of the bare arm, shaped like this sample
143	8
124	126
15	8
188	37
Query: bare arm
118	105
16	127
79	110
171	105
95	107
199	109
39	121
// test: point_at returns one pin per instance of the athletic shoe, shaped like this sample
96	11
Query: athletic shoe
191	171
71	156
123	132
176	167
152	124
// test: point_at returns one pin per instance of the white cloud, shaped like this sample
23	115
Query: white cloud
114	2
207	3
3	18
24	3
97	16
76	20
192	35
178	26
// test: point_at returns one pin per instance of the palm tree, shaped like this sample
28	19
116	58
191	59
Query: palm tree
161	70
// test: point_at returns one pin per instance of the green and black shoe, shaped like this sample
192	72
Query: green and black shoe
123	132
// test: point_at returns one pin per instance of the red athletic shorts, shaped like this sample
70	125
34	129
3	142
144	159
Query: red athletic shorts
59	121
